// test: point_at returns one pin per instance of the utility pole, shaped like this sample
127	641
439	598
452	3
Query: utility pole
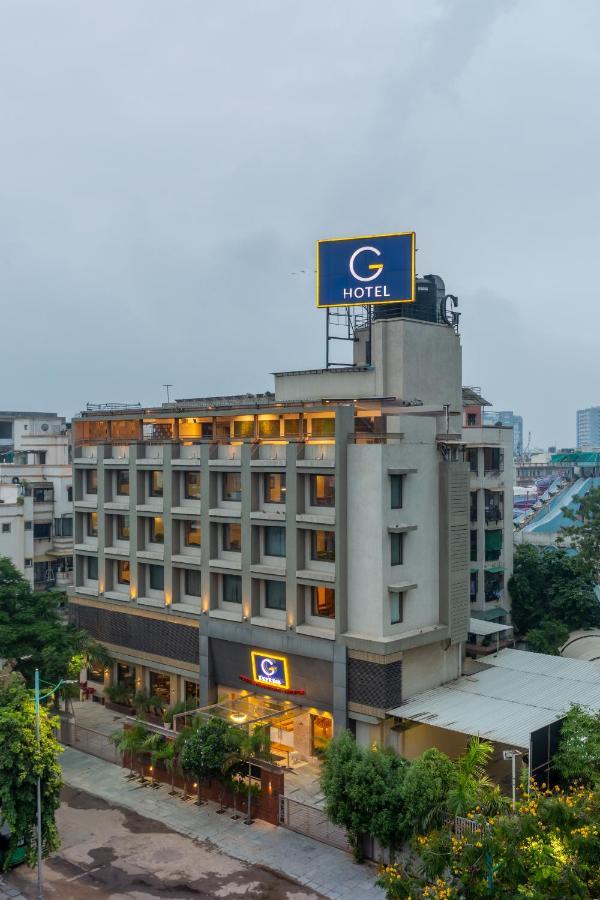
40	876
166	387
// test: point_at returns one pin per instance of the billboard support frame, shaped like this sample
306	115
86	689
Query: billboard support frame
347	320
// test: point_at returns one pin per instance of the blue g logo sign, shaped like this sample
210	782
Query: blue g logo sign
376	267
268	667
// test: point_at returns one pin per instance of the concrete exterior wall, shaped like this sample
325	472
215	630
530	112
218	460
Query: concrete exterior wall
429	666
331	384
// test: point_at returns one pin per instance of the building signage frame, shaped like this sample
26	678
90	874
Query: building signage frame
269	670
372	269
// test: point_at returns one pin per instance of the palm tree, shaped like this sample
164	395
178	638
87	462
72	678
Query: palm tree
152	747
130	740
470	782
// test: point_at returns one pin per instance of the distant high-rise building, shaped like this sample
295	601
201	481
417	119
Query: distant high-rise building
588	427
507	417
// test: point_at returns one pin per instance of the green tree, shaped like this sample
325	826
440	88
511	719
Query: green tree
548	638
426	787
584	534
21	763
338	773
31	626
206	748
469	782
549	583
578	754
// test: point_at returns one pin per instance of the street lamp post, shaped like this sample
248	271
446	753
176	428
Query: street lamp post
38	699
512	755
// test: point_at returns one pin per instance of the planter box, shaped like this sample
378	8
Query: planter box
120	708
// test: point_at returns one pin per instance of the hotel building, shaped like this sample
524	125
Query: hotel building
319	534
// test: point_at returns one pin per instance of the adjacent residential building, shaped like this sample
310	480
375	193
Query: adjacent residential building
307	547
588	428
36	508
508	419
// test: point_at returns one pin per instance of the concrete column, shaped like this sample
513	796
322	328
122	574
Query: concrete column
168	521
174	694
340	688
208	689
246	526
205	500
294	615
344	425
135	450
104	452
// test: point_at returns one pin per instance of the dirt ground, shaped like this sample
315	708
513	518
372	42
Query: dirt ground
111	853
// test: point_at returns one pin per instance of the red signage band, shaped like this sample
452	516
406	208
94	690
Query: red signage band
271	687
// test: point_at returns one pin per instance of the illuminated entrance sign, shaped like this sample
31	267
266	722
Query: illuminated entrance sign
373	269
269	670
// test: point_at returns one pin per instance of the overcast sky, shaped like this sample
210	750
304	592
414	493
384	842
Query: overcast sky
165	167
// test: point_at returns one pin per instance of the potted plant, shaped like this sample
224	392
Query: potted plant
120	698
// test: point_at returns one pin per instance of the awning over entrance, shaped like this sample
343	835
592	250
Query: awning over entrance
483	628
250	709
516	694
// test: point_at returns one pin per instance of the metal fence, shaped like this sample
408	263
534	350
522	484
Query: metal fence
459	825
311	821
89	741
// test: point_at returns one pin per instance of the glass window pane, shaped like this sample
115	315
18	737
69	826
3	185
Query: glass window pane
232	589
123	482
232	487
123	528
323	427
157	530
192	485
156	483
396	603
275	594
123	571
192	534
396	544
243	428
232	537
157	578
323	602
92	568
323	546
193	583
322	490
396	491
274	487
274	541
268	427
91	481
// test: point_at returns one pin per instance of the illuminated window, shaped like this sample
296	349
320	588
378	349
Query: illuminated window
232	487
156	483
396	548
322	490
160	686
396	607
322	546
291	427
323	602
123	482
123	528
274	541
157	530
157	578
243	428
274	487
193	583
396	491
268	428
123	571
323	427
232	537
192	485
275	594
192	534
232	589
92	524
192	691
91	481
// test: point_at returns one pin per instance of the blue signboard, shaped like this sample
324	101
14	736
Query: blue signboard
270	670
376	268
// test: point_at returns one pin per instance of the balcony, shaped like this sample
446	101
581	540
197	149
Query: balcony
493	515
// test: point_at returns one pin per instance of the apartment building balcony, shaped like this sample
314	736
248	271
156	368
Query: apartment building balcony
316	456
150	456
225	455
85	454
119	456
493	515
268	455
190	456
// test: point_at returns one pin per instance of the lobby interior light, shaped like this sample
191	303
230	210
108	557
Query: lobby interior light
238	717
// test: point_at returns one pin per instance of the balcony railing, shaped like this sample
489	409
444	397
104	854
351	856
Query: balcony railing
493	514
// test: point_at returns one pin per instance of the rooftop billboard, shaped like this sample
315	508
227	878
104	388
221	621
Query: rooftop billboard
372	269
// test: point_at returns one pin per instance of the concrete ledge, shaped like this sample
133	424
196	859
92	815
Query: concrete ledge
389	644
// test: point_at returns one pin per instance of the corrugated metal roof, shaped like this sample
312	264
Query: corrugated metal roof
519	693
481	627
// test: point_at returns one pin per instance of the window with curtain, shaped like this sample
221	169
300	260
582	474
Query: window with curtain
192	485
232	537
122	482
274	487
157	530
193	583
123	571
322	546
192	533
274	541
156	483
123	528
322	490
232	589
231	487
323	602
275	594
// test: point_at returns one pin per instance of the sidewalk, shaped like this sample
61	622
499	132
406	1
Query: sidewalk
315	865
9	893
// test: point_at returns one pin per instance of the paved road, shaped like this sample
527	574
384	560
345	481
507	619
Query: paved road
112	853
314	865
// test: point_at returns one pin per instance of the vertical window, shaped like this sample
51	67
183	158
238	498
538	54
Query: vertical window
70	493
396	608
92	524
123	482
473	459
323	427
274	487
126	675
42	531
232	589
322	490
322	546
157	530
123	571
123	528
192	534
92	568
5	527
193	583
160	686
274	541
473	586
396	490
157	578
232	487
192	485
275	594
91	481
323	602
232	537
473	546
156	483
396	548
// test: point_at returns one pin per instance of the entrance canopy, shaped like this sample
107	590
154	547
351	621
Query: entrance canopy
249	709
515	694
482	628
